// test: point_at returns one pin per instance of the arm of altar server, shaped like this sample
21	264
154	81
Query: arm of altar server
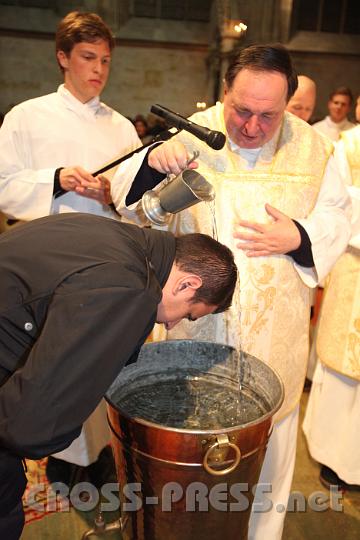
30	158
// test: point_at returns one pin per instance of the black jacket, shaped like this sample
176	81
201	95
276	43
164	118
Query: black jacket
78	297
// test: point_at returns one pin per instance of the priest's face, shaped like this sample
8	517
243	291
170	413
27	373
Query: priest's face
254	106
86	69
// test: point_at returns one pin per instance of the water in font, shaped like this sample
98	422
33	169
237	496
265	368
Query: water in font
191	401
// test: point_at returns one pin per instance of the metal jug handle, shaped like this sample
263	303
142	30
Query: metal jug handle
192	158
170	176
222	441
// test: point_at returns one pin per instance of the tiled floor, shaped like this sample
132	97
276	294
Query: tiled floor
317	525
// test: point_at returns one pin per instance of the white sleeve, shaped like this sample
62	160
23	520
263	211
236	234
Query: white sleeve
354	192
121	183
328	225
25	193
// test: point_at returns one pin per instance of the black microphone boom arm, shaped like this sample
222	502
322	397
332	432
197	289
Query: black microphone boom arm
214	139
161	137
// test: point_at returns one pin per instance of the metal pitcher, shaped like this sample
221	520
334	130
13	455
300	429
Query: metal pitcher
185	190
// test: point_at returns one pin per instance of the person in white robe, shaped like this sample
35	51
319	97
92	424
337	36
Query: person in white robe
51	145
278	192
339	106
332	420
302	103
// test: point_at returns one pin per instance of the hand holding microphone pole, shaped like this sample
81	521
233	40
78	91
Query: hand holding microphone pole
214	139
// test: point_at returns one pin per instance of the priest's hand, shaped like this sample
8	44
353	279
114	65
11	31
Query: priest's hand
170	157
275	238
85	184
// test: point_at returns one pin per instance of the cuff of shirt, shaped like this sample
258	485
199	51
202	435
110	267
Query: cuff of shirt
146	178
58	190
303	254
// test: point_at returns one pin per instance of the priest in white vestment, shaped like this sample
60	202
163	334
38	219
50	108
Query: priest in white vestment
279	192
332	420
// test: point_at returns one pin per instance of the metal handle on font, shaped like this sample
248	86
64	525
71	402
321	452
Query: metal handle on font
222	441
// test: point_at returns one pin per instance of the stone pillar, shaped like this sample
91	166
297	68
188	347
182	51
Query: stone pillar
224	42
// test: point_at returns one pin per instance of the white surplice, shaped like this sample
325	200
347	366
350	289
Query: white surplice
332	419
296	173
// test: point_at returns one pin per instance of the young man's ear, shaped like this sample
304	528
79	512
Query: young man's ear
188	283
62	59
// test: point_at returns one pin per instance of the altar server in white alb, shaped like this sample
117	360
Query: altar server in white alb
278	191
50	145
339	106
332	420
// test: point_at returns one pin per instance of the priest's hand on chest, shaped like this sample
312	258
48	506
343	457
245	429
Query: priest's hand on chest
261	239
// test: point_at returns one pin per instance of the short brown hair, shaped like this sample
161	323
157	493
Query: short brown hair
214	263
77	27
342	91
272	57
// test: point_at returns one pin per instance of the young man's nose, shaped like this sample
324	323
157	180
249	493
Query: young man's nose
97	66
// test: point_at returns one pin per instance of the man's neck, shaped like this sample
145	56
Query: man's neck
74	94
340	122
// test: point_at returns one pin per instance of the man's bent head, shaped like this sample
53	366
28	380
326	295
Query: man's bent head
202	280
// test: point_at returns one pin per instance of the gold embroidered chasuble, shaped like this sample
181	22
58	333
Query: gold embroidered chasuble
269	317
351	139
338	344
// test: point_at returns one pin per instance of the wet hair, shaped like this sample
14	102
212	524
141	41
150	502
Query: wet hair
342	91
214	263
273	57
77	27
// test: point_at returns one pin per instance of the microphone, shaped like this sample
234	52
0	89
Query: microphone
214	139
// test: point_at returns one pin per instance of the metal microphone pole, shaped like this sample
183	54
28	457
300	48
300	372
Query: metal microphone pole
161	137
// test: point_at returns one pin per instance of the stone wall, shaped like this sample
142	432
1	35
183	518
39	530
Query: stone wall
140	76
166	61
329	71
